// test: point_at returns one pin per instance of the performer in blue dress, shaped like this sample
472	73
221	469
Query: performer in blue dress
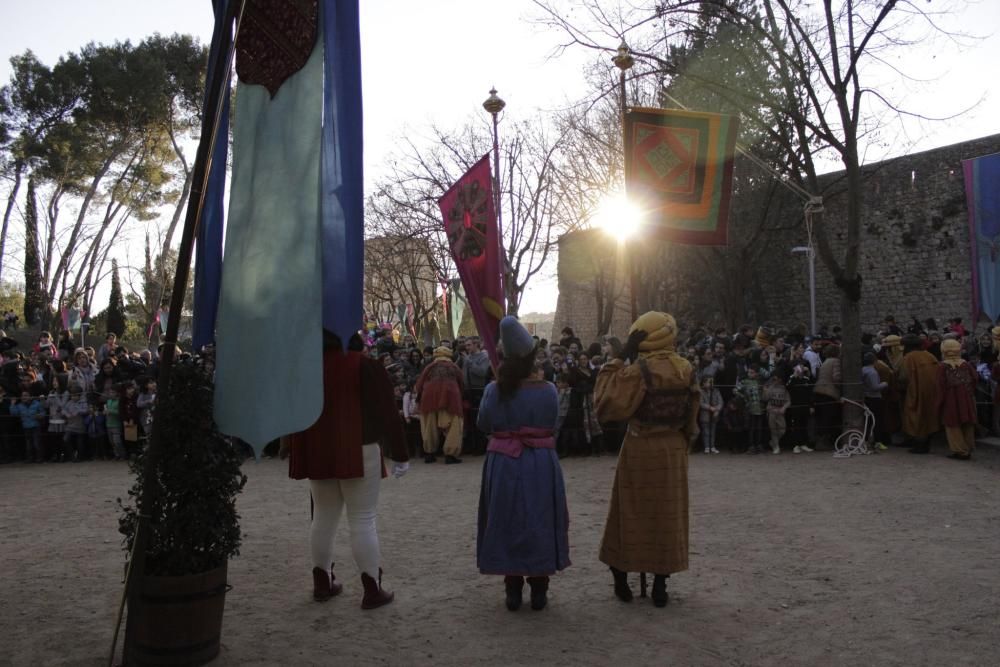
523	517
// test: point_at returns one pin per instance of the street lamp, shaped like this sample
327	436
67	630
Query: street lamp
493	106
811	254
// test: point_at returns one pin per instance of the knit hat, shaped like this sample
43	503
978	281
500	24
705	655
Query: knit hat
951	352
516	340
442	352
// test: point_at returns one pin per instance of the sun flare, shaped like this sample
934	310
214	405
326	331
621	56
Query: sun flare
618	216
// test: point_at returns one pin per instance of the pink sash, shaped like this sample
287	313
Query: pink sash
512	443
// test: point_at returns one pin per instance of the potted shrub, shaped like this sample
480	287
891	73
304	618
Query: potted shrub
193	527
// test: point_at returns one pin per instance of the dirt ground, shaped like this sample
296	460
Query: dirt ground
795	560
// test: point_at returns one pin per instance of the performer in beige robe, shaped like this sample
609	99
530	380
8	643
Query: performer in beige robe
659	396
918	375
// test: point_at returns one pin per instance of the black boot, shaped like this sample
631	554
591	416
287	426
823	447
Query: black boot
429	458
622	590
539	591
514	586
449	459
659	593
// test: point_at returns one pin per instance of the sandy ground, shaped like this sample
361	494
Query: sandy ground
796	560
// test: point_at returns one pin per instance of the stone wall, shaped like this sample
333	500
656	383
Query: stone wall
915	258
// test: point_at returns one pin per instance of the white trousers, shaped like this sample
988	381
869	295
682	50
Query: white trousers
360	495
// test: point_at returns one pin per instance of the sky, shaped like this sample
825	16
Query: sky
435	61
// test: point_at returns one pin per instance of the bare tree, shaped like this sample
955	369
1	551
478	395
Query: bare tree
821	107
534	209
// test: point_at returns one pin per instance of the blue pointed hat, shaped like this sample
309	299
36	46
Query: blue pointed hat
516	340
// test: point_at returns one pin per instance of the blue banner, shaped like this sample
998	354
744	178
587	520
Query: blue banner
342	169
982	194
208	250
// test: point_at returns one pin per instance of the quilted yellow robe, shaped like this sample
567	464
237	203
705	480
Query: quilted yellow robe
647	526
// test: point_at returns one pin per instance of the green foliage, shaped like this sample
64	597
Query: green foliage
115	318
193	520
12	298
35	301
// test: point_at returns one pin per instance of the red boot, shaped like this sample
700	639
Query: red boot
325	584
375	595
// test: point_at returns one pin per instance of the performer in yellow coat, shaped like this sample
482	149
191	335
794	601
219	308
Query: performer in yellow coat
658	395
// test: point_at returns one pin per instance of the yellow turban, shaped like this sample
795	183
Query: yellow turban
951	352
662	330
442	352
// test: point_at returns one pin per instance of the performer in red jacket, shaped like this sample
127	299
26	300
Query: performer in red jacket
341	457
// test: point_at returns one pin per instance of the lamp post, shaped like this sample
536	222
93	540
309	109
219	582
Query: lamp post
811	255
623	60
494	105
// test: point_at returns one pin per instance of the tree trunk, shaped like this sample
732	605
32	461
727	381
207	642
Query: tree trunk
11	200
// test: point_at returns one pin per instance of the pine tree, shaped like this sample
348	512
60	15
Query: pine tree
34	294
116	304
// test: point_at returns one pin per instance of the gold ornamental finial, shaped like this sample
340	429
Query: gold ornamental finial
494	104
624	59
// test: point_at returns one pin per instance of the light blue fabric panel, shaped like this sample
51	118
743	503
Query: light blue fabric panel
269	378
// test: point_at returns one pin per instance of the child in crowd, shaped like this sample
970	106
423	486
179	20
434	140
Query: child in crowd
752	392
30	410
113	422
57	421
708	416
411	420
75	409
97	434
800	391
128	410
145	403
7	446
736	422
777	399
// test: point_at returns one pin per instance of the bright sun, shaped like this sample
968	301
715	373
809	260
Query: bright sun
618	216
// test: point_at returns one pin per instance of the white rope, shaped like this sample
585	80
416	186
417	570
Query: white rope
853	442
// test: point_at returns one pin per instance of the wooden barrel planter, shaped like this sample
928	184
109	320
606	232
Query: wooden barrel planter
179	621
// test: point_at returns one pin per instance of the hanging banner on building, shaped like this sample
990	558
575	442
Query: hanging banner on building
471	223
982	196
679	172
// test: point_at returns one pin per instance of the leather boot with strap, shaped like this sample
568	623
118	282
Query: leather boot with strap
375	595
325	584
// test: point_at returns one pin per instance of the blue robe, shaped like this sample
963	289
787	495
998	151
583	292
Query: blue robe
523	517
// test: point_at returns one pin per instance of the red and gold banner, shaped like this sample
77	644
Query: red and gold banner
471	223
679	171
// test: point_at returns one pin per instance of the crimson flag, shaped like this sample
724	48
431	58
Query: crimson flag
471	223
